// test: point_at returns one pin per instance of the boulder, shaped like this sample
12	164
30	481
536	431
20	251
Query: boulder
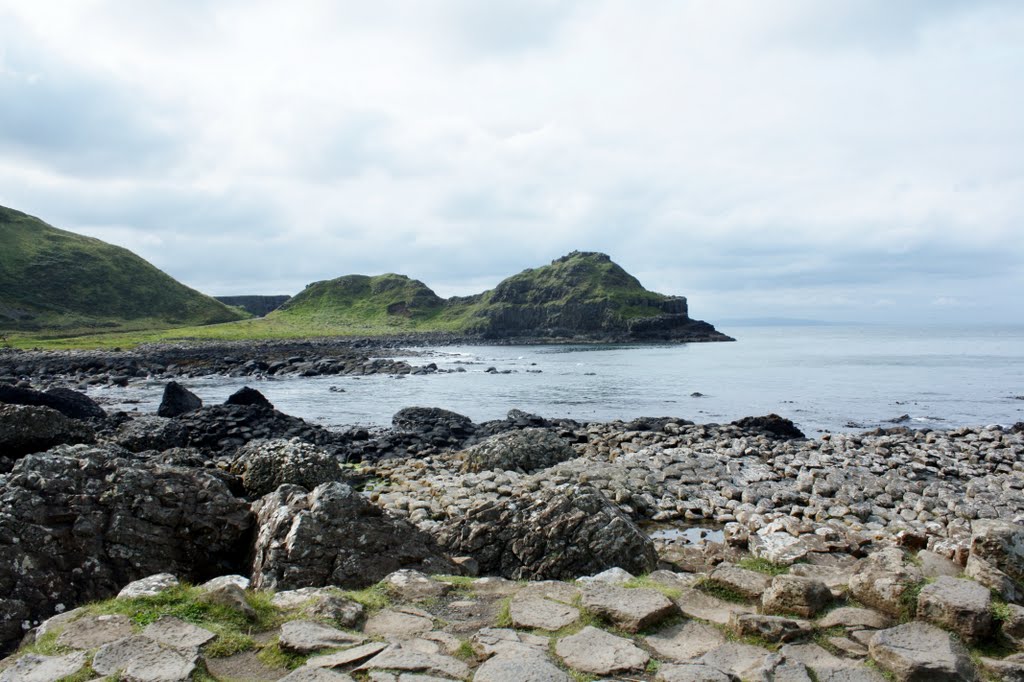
265	465
883	579
177	400
140	659
150	432
70	403
629	609
79	522
410	585
770	425
306	636
559	532
919	652
535	612
150	586
27	428
963	606
248	396
793	594
750	584
334	536
526	450
770	628
996	558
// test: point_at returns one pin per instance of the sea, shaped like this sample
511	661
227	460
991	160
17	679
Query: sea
826	378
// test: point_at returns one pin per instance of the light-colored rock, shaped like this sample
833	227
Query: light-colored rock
750	584
148	587
1012	626
934	565
412	585
770	628
57	622
691	672
697	604
860	674
543	614
853	617
36	668
551	589
686	641
742	660
881	580
175	632
815	657
347	657
519	669
90	632
595	651
630	609
140	659
495	587
304	596
399	658
239	581
996	558
507	642
304	637
963	606
307	674
776	546
611	576
398	623
919	652
1005	670
793	594
228	594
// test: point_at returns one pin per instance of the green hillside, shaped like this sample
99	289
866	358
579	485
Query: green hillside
53	280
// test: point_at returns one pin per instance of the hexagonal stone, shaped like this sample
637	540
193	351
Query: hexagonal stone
629	609
520	669
36	668
347	657
399	658
685	642
551	589
916	652
697	604
770	628
750	584
963	606
305	637
793	594
415	586
853	617
595	651
90	632
742	660
508	642
306	674
148	587
400	622
140	659
543	614
691	672
175	632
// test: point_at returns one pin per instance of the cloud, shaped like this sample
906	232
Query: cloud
748	155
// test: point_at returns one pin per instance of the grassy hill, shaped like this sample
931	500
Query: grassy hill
55	280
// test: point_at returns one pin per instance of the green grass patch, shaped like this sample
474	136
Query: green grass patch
504	617
723	592
374	597
276	657
908	602
46	645
86	674
465	651
229	643
646	583
762	566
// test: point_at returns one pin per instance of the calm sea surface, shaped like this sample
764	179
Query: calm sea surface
825	378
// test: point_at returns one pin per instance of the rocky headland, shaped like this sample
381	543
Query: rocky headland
518	549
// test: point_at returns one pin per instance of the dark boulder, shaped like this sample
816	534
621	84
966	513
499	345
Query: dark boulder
526	450
30	428
248	396
265	465
177	401
148	432
69	403
77	523
224	428
427	419
770	425
333	536
556	533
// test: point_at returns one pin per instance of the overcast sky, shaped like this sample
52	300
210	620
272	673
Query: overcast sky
844	160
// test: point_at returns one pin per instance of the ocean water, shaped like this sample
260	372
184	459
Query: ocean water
824	378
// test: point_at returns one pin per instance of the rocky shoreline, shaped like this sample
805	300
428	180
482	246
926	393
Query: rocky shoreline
831	558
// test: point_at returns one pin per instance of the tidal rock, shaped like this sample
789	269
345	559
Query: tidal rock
265	465
25	429
882	579
177	400
525	450
70	403
556	532
772	425
149	432
919	652
78	523
595	651
248	396
334	536
963	606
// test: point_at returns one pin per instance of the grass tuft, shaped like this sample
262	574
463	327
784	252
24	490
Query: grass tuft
762	566
716	589
374	597
646	583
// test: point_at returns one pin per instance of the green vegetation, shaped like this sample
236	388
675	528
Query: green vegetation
374	598
84	675
717	589
581	292
645	582
54	282
762	566
276	657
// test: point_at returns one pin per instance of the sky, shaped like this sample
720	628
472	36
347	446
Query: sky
853	160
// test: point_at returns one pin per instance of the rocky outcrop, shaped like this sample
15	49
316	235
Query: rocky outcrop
79	522
526	450
70	403
26	428
333	536
147	432
265	465
553	533
177	400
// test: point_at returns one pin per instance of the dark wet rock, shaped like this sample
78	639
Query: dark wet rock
248	396
527	450
556	533
771	424
79	522
442	424
29	428
177	400
69	403
225	428
149	432
265	465
333	536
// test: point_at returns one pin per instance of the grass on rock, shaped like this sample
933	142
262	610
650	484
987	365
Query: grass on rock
762	566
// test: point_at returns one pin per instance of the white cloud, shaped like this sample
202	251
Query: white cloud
853	149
